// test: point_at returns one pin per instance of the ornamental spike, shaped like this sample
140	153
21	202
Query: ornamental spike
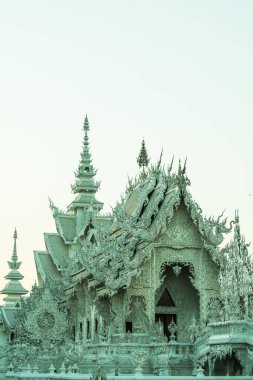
237	231
14	254
237	216
86	125
171	164
179	167
184	168
143	159
160	159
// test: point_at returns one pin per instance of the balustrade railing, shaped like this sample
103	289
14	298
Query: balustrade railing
135	376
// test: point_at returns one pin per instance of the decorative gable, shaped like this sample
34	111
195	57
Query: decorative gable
181	231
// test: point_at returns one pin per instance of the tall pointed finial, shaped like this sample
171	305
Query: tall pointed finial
160	159
182	179
85	168
180	170
237	230
143	159
179	167
184	168
14	254
86	126
236	216
171	164
85	155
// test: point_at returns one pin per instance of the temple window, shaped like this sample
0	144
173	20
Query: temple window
129	327
12	336
88	329
81	330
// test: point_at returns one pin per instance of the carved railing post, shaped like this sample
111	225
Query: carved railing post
200	372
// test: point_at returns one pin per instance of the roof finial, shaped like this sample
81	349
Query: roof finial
184	168
85	168
171	164
14	254
179	167
143	159
85	155
237	231
160	159
86	125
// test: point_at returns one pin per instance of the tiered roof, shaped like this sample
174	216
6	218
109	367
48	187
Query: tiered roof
85	185
81	221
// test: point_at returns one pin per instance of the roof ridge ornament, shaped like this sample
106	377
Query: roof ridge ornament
171	165
160	159
237	229
182	179
143	158
14	255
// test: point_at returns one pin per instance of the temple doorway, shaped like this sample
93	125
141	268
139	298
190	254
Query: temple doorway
227	366
177	299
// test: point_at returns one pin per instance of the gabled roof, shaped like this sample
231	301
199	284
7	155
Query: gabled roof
57	249
45	266
66	224
8	316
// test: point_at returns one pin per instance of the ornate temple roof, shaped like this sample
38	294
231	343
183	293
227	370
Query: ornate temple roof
46	267
8	317
57	249
109	250
66	225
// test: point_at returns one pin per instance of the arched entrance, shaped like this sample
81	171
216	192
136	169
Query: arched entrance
176	299
226	366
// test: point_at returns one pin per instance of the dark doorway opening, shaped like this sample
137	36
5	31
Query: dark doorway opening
166	319
228	366
129	327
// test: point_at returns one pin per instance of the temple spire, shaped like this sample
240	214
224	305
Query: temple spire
85	185
143	159
14	290
14	254
237	229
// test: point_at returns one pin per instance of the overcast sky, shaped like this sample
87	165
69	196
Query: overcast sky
178	73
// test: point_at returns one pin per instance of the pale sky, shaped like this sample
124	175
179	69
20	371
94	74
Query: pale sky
178	73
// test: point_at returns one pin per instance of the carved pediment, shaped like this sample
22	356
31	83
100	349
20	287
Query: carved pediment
181	231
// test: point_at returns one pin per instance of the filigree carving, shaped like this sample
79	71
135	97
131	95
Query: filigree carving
46	323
